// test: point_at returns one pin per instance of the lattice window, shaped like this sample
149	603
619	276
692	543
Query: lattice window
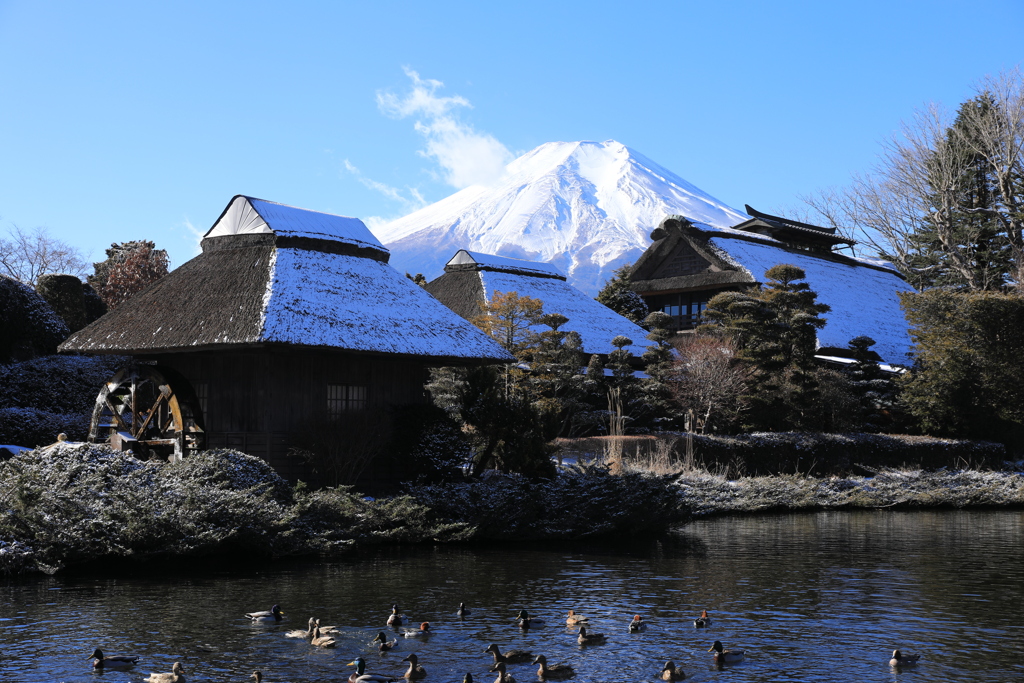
343	398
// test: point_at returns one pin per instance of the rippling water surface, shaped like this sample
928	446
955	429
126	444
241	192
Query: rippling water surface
823	597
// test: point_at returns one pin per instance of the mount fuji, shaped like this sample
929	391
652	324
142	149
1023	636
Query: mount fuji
584	207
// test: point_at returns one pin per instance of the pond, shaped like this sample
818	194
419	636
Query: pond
809	597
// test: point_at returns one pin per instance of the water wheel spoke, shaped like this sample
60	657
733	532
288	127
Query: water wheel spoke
117	416
164	394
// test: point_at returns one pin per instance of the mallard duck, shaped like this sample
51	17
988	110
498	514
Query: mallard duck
900	659
555	672
503	676
589	638
671	672
258	675
361	676
422	632
274	614
725	656
462	612
574	619
299	633
525	621
177	675
384	643
415	671
637	625
394	619
113	661
468	678
321	641
703	620
511	656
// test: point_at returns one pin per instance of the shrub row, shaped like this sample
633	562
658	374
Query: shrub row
835	454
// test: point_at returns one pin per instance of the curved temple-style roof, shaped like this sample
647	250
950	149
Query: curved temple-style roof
275	274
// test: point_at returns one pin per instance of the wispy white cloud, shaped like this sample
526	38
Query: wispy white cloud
413	201
466	156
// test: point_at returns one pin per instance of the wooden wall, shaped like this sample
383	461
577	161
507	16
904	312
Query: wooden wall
260	401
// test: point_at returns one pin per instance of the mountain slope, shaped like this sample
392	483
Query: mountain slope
585	207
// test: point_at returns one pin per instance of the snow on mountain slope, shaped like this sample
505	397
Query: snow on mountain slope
585	207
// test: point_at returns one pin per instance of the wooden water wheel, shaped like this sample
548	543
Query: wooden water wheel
148	411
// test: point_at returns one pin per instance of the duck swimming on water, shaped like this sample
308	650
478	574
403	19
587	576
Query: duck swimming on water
703	620
900	659
112	661
273	614
725	656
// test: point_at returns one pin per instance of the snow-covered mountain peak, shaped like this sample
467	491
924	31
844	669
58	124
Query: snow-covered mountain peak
586	207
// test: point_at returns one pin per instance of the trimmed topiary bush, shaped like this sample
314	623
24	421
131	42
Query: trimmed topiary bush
65	295
28	326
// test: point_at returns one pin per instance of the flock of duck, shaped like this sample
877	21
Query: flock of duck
321	636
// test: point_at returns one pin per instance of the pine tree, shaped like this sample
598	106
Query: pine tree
658	366
618	296
775	328
875	390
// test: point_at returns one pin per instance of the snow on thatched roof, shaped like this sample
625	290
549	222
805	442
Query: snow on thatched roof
303	278
864	298
474	260
479	276
248	215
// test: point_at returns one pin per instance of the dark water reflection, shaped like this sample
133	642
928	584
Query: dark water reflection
822	597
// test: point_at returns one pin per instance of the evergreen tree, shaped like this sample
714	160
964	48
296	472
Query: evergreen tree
658	365
775	328
621	386
876	391
129	268
418	278
961	242
618	296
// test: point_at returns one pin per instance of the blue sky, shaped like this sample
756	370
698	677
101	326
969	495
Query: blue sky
135	120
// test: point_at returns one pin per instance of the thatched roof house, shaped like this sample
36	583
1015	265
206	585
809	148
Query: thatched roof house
289	318
471	277
688	263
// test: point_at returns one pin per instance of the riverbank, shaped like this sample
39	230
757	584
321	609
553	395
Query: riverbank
75	504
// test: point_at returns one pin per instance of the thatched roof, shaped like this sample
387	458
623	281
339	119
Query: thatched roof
275	274
864	295
471	277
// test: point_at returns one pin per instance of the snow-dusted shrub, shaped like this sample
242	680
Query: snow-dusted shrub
31	427
581	501
427	445
28	326
76	503
59	384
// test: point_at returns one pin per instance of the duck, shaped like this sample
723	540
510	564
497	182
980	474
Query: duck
468	678
671	672
900	659
299	633
274	614
590	638
703	620
385	644
422	632
460	613
177	675
113	661
525	621
637	625
554	672
415	671
510	657
327	629
394	619
725	656
574	619
321	641
258	675
361	676
503	676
